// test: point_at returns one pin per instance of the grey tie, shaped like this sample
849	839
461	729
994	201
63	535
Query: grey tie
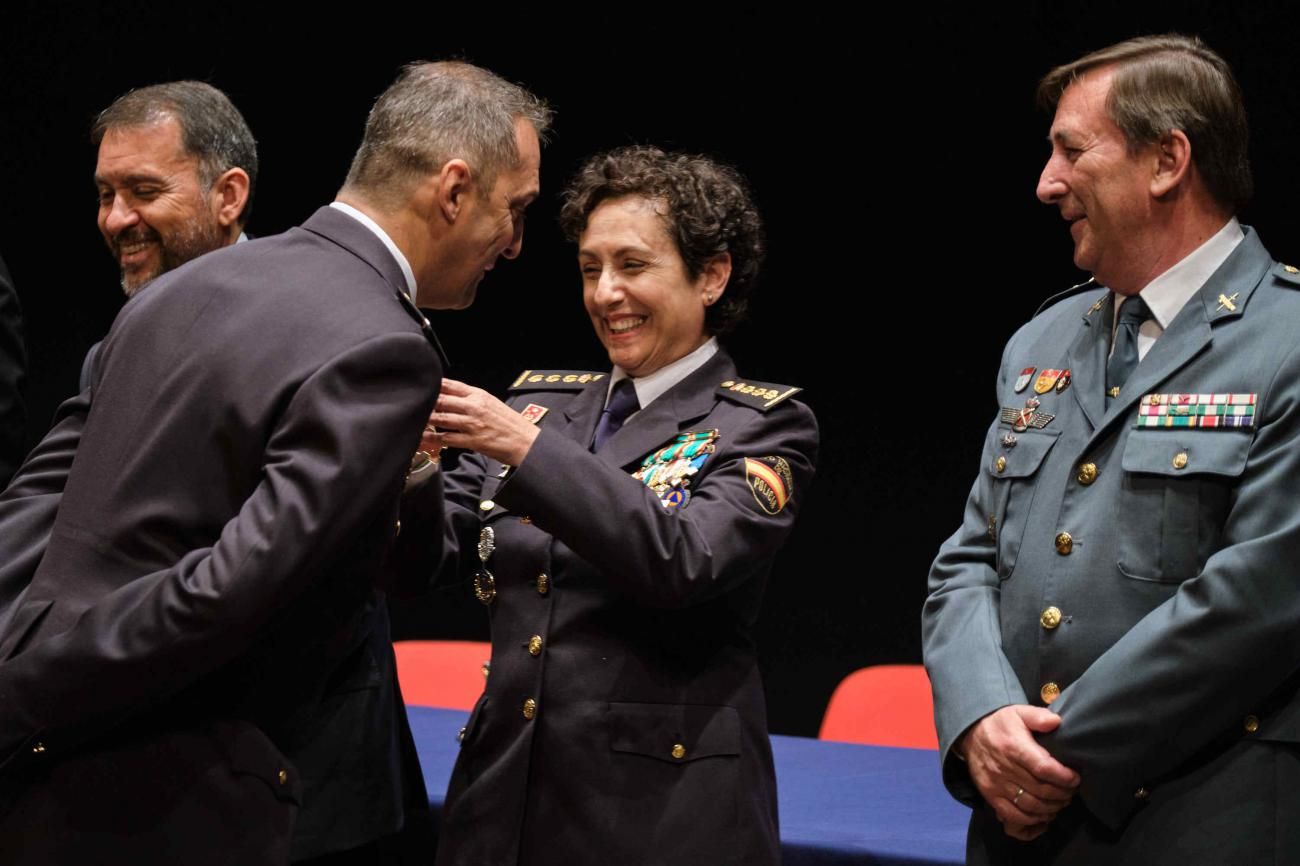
1125	355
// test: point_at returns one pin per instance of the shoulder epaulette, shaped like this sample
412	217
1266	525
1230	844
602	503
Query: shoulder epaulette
1287	273
556	380
759	395
1090	283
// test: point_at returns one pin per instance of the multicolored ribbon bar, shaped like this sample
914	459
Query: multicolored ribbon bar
1197	410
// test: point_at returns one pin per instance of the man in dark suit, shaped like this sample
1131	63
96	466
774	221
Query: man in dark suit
1111	632
201	649
176	172
12	363
175	176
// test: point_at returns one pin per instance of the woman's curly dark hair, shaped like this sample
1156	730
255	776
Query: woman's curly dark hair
710	211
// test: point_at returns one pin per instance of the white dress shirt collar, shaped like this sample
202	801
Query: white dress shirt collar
388	242
1168	293
653	386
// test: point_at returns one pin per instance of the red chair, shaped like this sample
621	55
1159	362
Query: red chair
883	705
442	673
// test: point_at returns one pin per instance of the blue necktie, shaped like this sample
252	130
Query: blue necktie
1124	358
622	403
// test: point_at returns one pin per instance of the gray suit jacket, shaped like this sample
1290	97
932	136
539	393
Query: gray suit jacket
1177	588
202	646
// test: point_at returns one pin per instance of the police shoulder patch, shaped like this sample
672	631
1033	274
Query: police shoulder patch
555	380
760	395
771	482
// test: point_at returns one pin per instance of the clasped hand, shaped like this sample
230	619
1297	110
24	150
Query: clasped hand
1018	778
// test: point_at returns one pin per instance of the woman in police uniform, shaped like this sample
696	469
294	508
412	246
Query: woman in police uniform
620	527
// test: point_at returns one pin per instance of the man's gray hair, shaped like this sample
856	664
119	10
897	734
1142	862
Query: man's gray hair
1169	82
436	112
212	129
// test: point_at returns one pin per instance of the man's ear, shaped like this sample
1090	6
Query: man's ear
455	185
230	192
1173	161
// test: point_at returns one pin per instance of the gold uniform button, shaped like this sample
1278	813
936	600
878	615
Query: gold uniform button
1087	474
1049	692
486	505
530	709
1251	724
1141	794
38	749
1000	464
460	735
1180	460
487	668
543	583
1050	618
1064	543
679	751
284	777
1114	392
535	645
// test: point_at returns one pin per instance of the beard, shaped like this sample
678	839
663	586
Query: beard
191	240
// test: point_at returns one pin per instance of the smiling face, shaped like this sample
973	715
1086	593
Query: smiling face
153	212
1101	189
490	227
645	307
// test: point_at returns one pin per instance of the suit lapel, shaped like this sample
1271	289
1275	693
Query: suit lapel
582	413
676	411
340	228
336	226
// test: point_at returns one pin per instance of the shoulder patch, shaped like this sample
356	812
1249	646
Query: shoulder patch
1287	273
759	395
770	480
555	380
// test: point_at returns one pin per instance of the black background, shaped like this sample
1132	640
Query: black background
894	159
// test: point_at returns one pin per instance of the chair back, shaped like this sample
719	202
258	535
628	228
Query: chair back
882	705
442	673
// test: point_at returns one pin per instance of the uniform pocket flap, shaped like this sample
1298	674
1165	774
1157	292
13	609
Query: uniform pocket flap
676	733
467	733
252	753
1187	452
1023	458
